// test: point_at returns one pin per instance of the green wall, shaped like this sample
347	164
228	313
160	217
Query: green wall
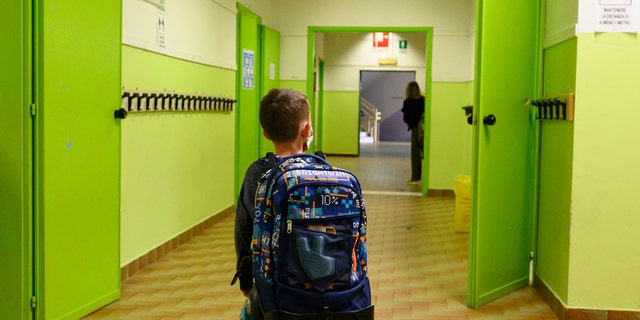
15	184
450	134
151	71
340	116
604	255
177	167
556	157
587	237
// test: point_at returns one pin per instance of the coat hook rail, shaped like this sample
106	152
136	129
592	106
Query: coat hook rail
559	107
148	101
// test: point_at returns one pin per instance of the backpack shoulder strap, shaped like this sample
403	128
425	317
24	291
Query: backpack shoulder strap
272	160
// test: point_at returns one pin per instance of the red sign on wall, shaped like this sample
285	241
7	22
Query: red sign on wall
381	39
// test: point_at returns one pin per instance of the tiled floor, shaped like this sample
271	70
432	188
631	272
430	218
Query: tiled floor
381	167
417	262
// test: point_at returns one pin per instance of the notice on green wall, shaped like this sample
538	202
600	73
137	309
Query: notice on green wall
617	16
247	69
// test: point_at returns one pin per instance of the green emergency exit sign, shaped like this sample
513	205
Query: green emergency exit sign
402	44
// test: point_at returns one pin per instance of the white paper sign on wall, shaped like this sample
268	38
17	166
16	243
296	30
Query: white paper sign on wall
617	16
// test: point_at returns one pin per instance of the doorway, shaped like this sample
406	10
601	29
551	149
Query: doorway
339	114
383	92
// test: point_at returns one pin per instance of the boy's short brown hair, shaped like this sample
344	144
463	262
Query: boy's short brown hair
281	113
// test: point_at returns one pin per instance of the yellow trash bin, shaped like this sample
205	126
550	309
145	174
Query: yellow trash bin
463	203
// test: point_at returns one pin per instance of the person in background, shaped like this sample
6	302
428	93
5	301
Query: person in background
412	113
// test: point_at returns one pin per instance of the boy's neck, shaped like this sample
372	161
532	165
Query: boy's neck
288	149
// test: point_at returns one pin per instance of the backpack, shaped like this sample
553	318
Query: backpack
309	240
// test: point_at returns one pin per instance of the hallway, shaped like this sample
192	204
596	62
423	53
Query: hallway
417	262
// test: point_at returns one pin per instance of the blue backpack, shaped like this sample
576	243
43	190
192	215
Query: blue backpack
309	241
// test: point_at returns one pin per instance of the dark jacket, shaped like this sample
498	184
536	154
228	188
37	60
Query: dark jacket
412	110
244	219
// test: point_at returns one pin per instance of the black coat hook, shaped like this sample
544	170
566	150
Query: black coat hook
160	101
151	103
562	112
144	102
126	97
536	104
135	99
173	102
180	104
547	109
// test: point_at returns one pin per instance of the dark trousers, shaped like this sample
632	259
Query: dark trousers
416	155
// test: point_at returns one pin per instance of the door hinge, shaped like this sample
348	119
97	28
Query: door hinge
33	109
34	302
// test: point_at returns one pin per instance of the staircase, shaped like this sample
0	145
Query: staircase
369	120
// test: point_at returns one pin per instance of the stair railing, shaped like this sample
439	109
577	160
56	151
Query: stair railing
372	116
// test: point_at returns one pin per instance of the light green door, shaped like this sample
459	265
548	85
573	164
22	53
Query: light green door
15	162
270	53
248	91
78	156
506	72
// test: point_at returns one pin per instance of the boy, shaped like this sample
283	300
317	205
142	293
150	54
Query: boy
286	121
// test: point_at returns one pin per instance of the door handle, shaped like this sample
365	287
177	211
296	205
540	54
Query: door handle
489	120
120	113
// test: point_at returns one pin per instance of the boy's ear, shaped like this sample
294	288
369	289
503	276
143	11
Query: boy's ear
264	133
306	130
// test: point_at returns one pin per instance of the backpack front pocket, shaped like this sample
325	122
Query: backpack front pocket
319	253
